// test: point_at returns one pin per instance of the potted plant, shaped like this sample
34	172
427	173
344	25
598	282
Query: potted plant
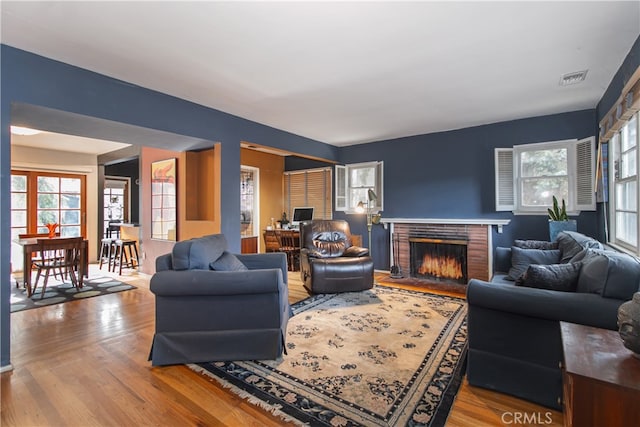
559	220
284	222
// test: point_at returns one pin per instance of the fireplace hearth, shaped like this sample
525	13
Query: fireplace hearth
438	259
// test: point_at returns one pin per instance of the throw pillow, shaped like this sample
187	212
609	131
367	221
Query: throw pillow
571	243
227	262
610	274
535	244
180	255
205	249
197	253
523	258
555	277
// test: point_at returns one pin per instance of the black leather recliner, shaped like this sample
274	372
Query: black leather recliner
329	263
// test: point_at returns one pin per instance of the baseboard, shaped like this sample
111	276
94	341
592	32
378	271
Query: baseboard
6	368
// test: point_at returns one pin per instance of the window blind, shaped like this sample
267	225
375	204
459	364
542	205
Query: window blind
309	188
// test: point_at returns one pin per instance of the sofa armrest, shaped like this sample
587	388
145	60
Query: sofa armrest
209	282
574	307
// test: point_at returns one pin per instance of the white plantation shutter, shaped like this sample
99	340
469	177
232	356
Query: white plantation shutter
505	197
309	188
341	188
585	170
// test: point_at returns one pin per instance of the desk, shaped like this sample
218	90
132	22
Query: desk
271	239
30	245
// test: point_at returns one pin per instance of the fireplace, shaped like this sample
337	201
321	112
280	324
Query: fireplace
439	259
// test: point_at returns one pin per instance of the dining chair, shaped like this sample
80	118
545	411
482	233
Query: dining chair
49	250
271	242
290	244
36	257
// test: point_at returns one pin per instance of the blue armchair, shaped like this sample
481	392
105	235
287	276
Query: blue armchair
214	306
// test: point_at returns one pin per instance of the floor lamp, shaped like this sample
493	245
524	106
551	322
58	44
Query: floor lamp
371	197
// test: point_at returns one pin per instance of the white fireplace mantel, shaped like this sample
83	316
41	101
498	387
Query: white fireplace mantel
457	221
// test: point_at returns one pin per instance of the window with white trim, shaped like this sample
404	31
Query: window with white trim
624	186
353	183
528	176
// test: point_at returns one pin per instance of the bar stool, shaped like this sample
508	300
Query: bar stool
124	250
106	252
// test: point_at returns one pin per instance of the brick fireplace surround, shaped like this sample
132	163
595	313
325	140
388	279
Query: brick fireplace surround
477	232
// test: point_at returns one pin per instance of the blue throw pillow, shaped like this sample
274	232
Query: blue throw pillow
227	262
521	259
198	253
572	243
555	277
535	244
608	273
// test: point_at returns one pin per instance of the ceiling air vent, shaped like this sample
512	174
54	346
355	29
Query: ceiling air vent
573	78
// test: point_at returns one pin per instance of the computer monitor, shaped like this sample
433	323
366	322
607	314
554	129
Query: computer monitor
301	215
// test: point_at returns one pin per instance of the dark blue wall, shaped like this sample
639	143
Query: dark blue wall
451	175
622	76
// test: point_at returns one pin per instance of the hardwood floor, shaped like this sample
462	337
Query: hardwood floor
84	363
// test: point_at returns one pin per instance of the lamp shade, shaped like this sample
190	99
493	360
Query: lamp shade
372	196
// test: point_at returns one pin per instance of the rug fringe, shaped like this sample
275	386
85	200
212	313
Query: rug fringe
273	409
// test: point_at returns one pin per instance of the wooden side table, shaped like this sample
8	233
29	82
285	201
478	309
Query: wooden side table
601	378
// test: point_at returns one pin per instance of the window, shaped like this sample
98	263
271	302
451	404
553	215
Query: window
528	176
624	183
353	183
39	198
249	201
309	188
116	201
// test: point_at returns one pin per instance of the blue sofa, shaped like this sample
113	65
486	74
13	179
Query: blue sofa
213	306
514	326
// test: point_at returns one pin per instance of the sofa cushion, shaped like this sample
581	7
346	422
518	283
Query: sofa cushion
523	258
608	273
198	253
571	243
227	262
555	277
535	244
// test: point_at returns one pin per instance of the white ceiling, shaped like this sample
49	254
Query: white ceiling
344	72
71	143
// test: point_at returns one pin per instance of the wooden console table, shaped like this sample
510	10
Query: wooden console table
600	377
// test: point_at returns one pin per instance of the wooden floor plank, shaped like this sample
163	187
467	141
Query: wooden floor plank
84	363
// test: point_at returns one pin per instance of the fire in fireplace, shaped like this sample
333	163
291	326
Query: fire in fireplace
439	259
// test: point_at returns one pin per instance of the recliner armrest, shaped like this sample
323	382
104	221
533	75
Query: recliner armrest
356	251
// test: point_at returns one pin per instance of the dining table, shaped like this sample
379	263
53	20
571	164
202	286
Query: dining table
30	246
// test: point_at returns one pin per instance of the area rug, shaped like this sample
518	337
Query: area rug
59	292
382	357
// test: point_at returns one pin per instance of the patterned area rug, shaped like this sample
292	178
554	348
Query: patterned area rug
59	292
383	357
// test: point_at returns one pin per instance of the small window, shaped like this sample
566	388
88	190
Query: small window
528	176
353	183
